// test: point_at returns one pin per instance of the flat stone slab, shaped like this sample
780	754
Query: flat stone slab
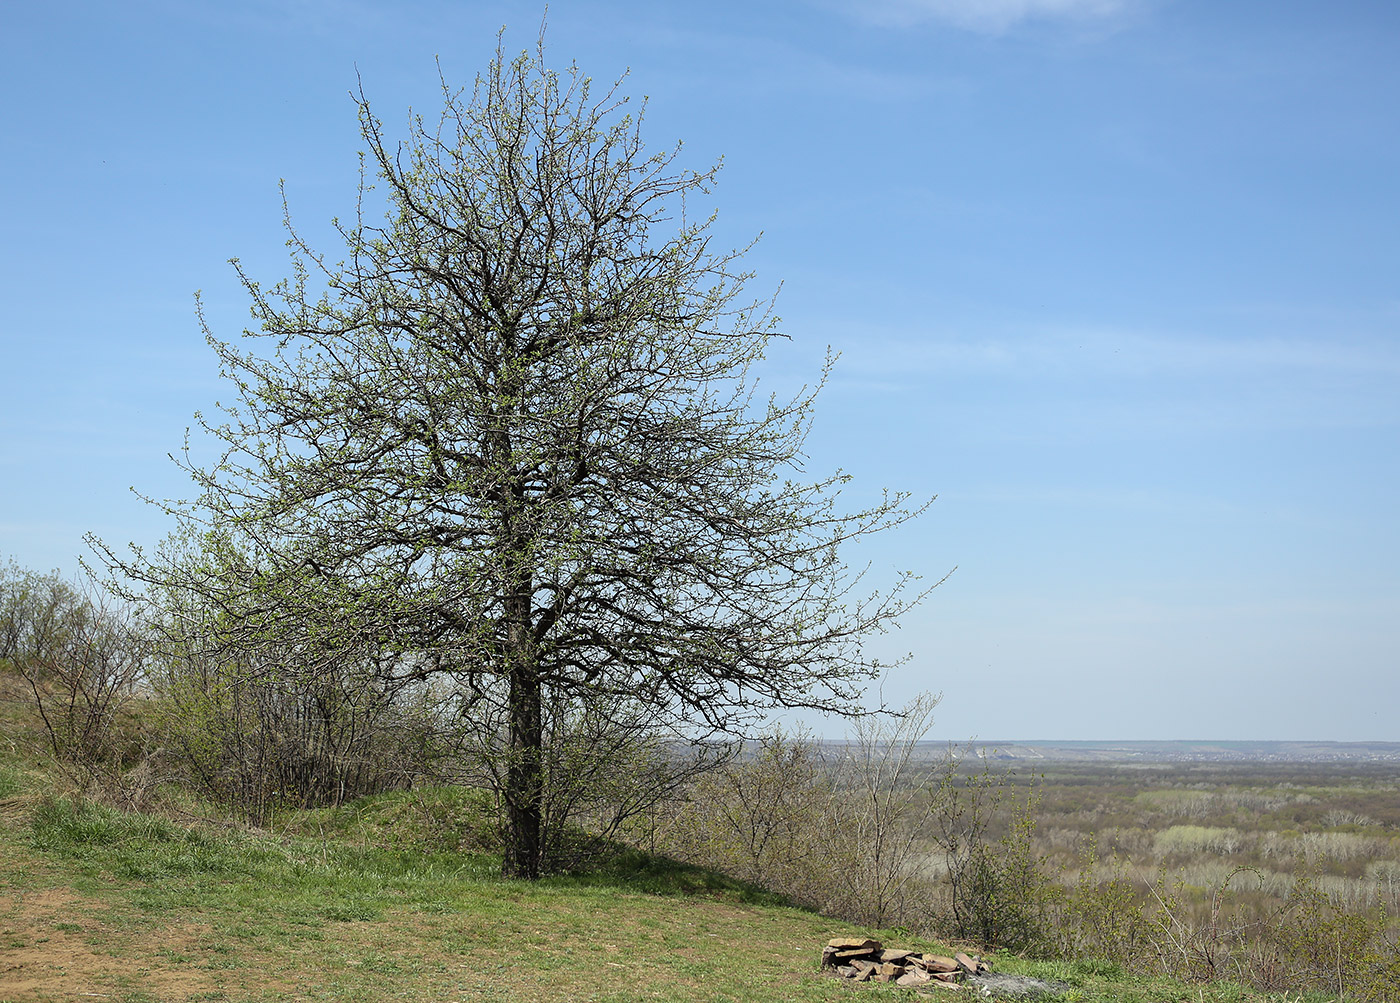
853	944
889	954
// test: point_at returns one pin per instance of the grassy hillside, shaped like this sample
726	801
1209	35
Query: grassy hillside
392	897
95	903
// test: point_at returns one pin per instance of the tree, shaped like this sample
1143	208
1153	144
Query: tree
514	436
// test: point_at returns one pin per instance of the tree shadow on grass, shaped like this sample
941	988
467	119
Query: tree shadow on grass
632	870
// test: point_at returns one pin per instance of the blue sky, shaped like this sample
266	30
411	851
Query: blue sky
1116	280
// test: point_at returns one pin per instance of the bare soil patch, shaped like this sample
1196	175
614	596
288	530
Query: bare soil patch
55	945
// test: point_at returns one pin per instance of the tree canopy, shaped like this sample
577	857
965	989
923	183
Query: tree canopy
513	438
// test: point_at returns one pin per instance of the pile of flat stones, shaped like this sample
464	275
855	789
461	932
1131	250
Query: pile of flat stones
863	960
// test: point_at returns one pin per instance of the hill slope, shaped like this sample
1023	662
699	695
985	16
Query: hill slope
95	903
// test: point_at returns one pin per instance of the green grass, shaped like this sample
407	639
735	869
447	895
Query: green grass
427	818
334	906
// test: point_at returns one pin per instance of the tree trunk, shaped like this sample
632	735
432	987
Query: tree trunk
524	780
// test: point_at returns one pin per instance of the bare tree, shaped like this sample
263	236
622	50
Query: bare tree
515	434
884	791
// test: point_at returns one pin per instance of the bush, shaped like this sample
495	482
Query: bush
763	817
83	660
260	735
1103	916
603	769
844	832
999	894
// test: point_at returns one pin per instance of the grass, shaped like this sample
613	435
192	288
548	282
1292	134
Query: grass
134	908
9	782
260	918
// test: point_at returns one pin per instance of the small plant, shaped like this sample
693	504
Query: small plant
72	823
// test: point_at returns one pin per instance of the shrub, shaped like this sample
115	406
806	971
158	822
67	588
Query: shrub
82	659
603	768
843	831
762	817
999	893
1102	916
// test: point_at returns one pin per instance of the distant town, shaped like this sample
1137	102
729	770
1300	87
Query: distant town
1184	751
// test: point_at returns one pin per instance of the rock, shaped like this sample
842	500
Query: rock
861	959
841	949
853	943
913	977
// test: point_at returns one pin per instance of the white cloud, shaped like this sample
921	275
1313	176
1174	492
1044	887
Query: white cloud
986	15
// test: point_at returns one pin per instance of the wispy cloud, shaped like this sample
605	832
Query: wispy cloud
1078	353
991	16
1116	384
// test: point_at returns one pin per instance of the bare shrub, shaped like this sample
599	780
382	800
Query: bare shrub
763	817
82	658
882	808
258	734
842	827
1341	846
1339	817
1211	921
294	723
1259	801
1384	876
1200	941
1188	840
